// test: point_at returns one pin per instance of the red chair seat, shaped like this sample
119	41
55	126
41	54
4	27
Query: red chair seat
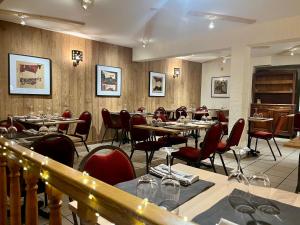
174	140
150	145
261	134
189	153
221	147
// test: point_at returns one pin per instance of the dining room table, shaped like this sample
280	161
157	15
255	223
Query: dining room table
175	127
254	152
211	204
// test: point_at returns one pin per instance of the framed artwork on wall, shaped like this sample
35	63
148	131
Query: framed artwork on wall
220	87
157	84
108	81
29	75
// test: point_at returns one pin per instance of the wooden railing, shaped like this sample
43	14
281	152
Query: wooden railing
95	198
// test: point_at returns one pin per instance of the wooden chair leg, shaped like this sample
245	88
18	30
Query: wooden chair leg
221	157
277	147
104	135
3	191
271	149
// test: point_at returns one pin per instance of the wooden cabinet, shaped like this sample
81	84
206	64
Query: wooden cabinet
273	111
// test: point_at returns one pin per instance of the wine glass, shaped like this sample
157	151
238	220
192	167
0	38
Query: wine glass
170	186
11	130
255	114
236	174
43	129
3	131
260	184
52	129
147	187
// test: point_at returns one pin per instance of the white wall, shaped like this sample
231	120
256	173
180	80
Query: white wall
213	69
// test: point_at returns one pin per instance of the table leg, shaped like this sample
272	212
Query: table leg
252	152
196	138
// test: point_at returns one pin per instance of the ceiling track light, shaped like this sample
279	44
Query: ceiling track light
292	53
85	4
145	43
22	19
211	25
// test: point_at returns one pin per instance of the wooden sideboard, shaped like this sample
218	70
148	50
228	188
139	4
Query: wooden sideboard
274	111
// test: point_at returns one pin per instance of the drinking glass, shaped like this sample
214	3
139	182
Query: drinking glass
43	129
3	131
11	130
147	187
236	174
259	184
170	186
255	114
52	129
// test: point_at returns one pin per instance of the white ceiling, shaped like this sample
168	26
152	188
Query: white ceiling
126	22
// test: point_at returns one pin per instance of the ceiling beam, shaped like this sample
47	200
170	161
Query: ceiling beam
39	17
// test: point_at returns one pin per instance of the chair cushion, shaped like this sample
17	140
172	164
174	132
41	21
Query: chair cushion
150	145
187	153
261	134
174	140
221	146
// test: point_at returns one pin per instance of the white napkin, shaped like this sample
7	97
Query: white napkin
30	131
226	222
184	178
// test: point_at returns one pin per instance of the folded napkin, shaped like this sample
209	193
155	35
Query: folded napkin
31	131
184	178
225	222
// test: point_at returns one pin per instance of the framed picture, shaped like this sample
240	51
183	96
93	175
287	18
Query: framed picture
157	84
220	87
108	81
29	75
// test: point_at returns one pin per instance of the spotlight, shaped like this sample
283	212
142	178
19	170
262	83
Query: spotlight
86	3
292	53
211	25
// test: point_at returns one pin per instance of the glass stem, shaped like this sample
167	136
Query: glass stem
169	162
239	162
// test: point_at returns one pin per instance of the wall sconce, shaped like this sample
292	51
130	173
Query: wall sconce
76	57
176	72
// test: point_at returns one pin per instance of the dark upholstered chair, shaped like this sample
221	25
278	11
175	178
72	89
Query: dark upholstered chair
63	128
265	135
160	111
124	117
110	124
141	109
201	111
7	124
298	181
194	156
82	130
112	168
297	123
232	140
183	111
141	139
224	121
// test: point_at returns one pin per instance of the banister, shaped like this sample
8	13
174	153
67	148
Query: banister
108	201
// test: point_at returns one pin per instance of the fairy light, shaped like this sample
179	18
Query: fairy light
6	143
97	214
91	196
20	161
185	218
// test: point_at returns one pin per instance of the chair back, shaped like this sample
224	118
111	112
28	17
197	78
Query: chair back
57	147
236	133
183	112
65	127
221	116
183	107
125	117
84	128
281	121
107	121
211	140
161	111
141	109
7	124
112	168
137	134
297	122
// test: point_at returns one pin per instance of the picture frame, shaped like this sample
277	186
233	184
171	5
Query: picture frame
157	84
220	87
108	81
29	75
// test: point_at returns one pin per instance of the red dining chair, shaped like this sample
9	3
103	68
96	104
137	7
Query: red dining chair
183	111
194	156
112	168
232	140
82	130
266	135
297	123
63	128
141	139
201	111
141	109
110	124
124	117
224	121
160	111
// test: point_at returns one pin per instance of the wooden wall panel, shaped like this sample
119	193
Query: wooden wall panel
74	87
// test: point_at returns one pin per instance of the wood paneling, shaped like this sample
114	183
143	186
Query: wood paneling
74	87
